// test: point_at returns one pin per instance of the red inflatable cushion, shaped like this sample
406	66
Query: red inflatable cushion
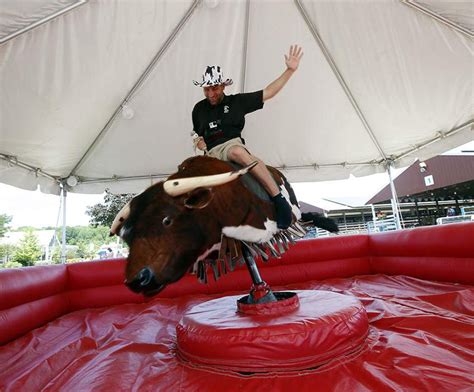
325	326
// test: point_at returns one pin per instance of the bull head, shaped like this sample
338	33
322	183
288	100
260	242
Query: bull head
167	229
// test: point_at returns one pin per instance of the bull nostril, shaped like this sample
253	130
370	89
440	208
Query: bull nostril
145	276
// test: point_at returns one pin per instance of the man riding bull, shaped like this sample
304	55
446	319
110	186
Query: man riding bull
219	120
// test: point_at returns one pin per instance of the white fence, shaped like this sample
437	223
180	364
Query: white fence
381	225
454	219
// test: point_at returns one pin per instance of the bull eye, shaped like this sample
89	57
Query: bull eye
167	221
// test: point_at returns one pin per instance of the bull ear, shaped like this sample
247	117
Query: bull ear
199	198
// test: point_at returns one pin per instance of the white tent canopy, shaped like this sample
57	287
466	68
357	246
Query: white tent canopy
102	90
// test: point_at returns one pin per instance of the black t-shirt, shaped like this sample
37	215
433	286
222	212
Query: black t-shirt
225	121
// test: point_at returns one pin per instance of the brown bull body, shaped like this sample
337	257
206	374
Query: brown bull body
167	235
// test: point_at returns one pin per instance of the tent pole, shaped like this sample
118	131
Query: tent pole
245	47
438	17
394	200
372	208
41	21
63	239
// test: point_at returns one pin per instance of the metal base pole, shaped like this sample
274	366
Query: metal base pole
260	292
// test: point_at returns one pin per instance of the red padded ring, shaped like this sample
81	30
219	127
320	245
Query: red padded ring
325	326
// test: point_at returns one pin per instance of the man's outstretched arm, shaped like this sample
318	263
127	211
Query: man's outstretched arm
292	61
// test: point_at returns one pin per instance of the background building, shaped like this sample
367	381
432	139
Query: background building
428	192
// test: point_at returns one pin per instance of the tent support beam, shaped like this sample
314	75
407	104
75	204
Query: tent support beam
138	84
41	21
338	74
166	175
15	162
438	17
63	236
243	74
394	201
296	167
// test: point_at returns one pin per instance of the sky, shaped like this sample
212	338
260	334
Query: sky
33	208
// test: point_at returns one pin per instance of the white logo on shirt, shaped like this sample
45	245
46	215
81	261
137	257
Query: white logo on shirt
226	109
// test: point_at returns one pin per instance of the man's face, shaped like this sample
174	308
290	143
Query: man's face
214	94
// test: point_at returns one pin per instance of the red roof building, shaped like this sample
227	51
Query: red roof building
442	177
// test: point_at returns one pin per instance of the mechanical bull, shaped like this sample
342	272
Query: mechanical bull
204	216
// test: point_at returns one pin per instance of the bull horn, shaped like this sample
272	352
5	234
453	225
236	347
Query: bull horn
119	219
180	186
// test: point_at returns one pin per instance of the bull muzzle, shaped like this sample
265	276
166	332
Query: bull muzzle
145	282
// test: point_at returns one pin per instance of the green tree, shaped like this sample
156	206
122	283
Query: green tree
11	264
71	253
87	251
76	235
104	213
4	221
7	251
29	250
26	228
82	242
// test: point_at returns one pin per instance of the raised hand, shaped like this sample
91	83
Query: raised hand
294	56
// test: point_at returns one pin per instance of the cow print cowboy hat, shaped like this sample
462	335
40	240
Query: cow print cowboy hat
213	76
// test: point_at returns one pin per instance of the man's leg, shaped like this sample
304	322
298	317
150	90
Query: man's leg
240	155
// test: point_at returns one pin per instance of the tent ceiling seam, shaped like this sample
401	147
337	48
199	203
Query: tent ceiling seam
41	21
437	17
12	160
245	46
138	84
338	75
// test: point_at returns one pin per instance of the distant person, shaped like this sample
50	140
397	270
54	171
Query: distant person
451	211
219	119
380	217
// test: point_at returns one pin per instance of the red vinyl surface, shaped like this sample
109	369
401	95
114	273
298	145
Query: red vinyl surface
77	328
421	339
